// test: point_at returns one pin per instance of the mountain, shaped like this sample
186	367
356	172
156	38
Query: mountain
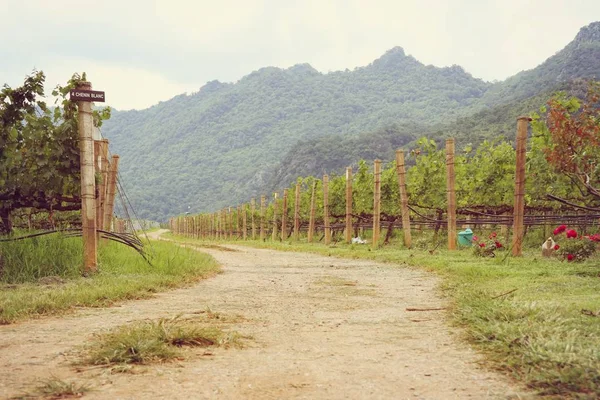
232	141
579	59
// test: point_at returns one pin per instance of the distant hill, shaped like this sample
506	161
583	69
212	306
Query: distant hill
231	141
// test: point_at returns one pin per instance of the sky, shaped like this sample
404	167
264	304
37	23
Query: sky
141	52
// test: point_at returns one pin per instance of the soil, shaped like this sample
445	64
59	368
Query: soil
322	328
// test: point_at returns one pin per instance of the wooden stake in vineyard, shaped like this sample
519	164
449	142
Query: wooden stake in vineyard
401	172
376	202
85	125
252	222
244	222
284	216
519	207
311	219
297	213
348	231
274	235
326	226
111	189
263	201
450	178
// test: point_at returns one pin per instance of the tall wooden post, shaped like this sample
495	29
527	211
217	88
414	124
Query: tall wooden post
297	213
451	194
263	201
238	219
110	192
376	202
244	222
401	172
284	211
230	222
348	232
519	207
311	219
85	125
274	235
252	222
326	226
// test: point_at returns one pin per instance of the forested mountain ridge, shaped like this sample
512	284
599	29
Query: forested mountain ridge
225	144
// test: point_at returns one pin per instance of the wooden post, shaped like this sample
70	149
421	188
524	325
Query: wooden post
450	178
244	222
348	232
401	172
274	235
326	227
110	192
284	215
252	222
519	207
238	222
311	220
230	222
263	201
376	202
297	213
85	125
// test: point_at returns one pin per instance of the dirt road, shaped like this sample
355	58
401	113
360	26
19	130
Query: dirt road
323	328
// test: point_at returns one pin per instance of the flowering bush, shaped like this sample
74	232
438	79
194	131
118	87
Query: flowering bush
575	247
488	247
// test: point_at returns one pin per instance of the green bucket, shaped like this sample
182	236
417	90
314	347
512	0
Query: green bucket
465	238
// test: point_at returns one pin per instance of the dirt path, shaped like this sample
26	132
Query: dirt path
323	328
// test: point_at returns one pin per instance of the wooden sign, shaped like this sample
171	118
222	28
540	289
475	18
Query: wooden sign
87	95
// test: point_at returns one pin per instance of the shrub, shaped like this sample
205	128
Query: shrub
487	247
575	247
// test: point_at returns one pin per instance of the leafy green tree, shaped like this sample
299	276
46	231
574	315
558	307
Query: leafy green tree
39	153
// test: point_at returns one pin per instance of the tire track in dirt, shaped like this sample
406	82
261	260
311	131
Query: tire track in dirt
323	328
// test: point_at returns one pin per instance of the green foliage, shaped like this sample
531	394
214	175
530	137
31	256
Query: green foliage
39	153
45	256
230	142
576	249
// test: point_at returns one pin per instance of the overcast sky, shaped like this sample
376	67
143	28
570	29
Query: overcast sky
141	52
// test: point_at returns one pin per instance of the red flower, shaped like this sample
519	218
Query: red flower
559	230
493	235
595	237
556	247
571	233
475	239
481	244
570	257
498	244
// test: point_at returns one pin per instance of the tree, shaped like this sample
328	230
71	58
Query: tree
39	153
574	145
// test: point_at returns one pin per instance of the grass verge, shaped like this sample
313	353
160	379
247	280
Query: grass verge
545	334
123	275
148	342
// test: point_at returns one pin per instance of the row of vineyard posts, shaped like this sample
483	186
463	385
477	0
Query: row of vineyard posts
245	221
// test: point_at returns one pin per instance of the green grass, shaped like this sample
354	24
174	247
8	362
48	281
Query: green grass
148	342
32	259
539	334
123	275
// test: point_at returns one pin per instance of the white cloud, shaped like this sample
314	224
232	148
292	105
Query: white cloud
125	87
174	45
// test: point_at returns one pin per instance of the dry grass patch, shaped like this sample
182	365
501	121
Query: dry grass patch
147	342
55	388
